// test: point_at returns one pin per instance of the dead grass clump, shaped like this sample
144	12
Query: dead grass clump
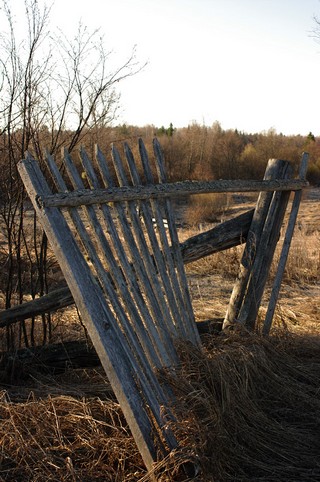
250	410
225	263
206	208
65	439
303	264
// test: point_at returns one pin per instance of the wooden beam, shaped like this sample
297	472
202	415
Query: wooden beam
274	170
59	298
85	197
224	236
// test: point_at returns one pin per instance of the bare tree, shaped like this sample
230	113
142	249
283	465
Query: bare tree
53	92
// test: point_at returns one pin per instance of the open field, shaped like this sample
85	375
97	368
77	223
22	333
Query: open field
247	407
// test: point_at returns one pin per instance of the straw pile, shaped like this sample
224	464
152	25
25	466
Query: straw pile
248	410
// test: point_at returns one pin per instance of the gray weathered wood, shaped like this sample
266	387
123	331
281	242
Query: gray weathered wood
105	334
83	197
160	353
285	249
104	276
264	255
224	236
133	293
186	310
182	314
273	171
137	249
158	278
53	301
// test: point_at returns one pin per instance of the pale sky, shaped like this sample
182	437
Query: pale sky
249	64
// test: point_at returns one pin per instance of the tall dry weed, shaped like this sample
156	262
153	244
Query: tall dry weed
303	263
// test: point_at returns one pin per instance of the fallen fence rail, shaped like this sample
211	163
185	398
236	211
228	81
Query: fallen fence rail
224	236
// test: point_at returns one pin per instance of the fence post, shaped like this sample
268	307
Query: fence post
285	248
275	170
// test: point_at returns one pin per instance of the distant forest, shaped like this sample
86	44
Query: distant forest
202	152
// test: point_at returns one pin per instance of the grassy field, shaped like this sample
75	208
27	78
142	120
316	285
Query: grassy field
248	407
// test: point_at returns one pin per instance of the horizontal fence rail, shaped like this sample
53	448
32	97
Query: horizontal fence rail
86	197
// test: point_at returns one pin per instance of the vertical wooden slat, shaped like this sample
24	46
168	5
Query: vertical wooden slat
157	260
285	248
175	297
160	339
132	297
164	343
264	255
190	326
145	267
119	311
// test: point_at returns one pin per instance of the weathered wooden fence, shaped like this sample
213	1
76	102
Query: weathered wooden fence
126	273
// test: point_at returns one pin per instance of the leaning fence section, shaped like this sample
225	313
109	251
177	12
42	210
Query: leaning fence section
126	275
113	231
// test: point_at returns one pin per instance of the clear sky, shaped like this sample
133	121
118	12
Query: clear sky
249	64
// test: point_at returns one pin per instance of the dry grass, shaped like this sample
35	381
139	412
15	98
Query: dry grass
66	439
253	409
248	408
206	208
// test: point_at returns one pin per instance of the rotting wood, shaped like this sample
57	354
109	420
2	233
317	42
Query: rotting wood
145	271
119	292
285	248
185	305
82	197
264	254
121	286
118	306
53	301
224	236
53	358
273	171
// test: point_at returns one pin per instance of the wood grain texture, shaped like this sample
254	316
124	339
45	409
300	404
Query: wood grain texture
82	197
248	288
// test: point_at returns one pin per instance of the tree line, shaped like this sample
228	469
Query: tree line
43	107
211	152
